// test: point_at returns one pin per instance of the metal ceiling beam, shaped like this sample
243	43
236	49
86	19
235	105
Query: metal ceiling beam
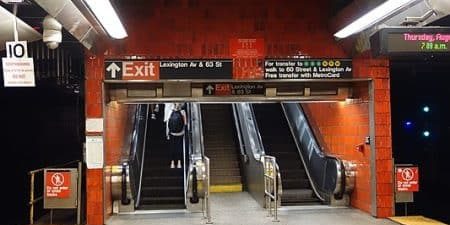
72	19
26	32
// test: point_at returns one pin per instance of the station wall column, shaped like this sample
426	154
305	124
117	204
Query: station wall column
382	195
94	110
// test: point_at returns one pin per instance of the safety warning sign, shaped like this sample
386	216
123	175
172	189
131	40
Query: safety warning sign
57	184
407	179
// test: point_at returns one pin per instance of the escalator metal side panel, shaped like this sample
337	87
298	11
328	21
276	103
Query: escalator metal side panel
253	170
195	153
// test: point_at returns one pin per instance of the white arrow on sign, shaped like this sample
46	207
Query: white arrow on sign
113	68
209	88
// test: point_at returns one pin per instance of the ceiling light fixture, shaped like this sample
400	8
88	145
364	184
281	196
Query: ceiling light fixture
108	18
374	16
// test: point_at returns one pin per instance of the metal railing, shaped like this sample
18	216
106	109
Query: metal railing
206	207
270	186
34	200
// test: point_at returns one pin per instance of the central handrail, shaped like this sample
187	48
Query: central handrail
239	135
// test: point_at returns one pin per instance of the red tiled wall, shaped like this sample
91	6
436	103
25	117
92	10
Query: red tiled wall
118	130
118	127
378	70
342	127
202	29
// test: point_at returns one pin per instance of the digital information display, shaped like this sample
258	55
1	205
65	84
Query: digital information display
408	41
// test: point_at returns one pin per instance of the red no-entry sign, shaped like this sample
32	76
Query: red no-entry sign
57	184
407	179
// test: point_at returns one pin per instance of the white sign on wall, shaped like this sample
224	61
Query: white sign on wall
94	152
18	69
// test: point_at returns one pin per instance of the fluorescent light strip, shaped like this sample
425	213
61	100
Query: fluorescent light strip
372	17
107	16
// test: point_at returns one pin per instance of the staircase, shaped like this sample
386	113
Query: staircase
162	186
221	147
278	142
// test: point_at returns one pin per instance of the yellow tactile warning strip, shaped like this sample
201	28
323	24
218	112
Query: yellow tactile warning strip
226	188
415	220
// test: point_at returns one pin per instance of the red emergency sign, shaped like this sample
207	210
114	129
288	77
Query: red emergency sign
57	184
407	179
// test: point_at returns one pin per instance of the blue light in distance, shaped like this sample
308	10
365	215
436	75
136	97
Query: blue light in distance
408	124
426	109
426	133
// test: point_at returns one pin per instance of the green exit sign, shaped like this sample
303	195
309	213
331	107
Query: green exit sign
410	41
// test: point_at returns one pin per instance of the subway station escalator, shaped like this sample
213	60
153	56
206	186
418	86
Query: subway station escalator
162	187
279	142
221	146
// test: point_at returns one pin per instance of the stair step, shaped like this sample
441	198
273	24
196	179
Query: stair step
225	172
228	156
232	187
223	164
212	148
217	180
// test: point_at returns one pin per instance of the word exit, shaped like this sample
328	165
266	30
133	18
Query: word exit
132	70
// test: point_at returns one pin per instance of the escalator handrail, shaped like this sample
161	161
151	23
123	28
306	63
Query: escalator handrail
141	169
196	131
196	148
321	154
258	134
238	130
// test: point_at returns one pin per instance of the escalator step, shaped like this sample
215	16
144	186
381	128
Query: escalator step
296	184
162	181
162	200
152	172
161	206
293	174
298	195
164	191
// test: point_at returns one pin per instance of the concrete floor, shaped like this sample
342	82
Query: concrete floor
242	209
